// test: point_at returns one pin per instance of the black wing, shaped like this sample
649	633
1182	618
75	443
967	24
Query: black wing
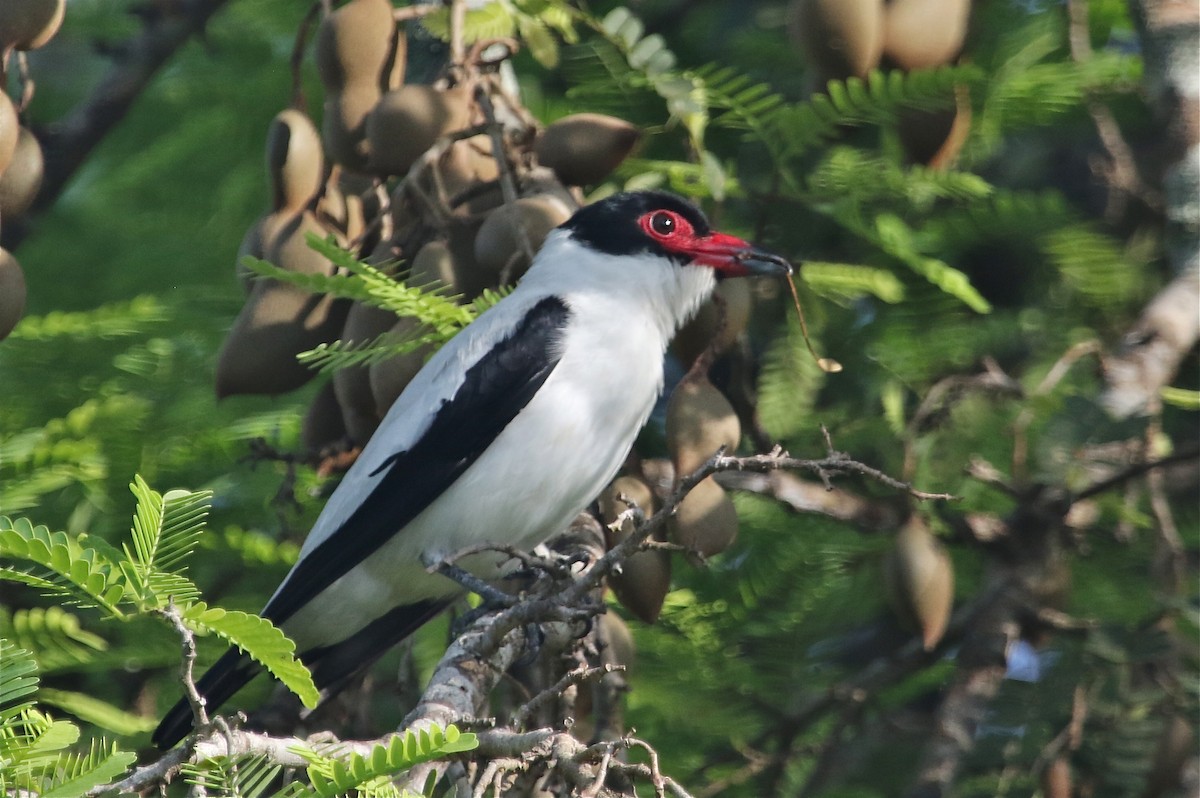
493	391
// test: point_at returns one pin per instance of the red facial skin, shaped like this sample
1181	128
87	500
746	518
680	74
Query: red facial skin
728	255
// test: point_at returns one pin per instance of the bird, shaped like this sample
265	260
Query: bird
506	434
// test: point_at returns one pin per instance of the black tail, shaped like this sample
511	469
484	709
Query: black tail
332	666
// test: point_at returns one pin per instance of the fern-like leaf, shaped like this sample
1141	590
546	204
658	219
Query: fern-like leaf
843	281
166	528
243	776
82	574
55	634
259	638
331	776
18	678
74	775
96	712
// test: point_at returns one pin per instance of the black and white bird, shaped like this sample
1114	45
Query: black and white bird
505	435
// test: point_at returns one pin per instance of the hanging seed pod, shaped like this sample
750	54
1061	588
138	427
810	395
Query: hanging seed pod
323	428
355	52
698	334
1056	779
21	180
389	378
28	24
280	321
700	421
706	521
352	384
408	121
295	164
433	265
584	149
840	38
357	45
644	579
499	246
918	34
12	293
464	166
1176	747
920	581
10	130
259	238
935	138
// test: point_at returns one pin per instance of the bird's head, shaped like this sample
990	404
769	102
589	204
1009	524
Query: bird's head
659	224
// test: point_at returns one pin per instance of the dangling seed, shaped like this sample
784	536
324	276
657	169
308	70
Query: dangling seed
826	364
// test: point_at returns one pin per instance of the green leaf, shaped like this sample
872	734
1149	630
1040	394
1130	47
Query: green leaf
83	574
846	281
18	676
166	529
259	638
331	776
1181	397
76	775
895	237
98	713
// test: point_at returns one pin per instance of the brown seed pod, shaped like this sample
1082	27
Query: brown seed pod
408	121
10	128
280	321
920	581
464	166
499	246
696	336
706	521
295	164
352	384
918	34
644	579
584	149
323	428
12	293
934	138
259	238
28	24
700	421
389	378
357	45
23	177
432	265
840	38
1176	747
1056	779
343	127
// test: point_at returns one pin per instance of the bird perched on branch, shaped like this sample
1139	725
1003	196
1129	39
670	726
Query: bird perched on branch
505	435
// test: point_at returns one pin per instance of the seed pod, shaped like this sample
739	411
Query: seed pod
1056	779
706	521
343	127
432	265
10	128
295	165
840	38
12	293
464	166
259	238
356	45
323	428
920	581
696	336
28	24
700	421
408	121
352	384
934	138
1176	747
280	321
499	246
23	177
389	378
918	34
584	149
644	579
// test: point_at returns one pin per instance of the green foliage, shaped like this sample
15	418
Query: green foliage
369	775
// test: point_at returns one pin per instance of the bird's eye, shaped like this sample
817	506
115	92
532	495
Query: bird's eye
663	223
